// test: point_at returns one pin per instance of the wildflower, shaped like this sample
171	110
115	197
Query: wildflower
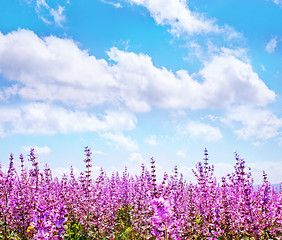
59	222
163	219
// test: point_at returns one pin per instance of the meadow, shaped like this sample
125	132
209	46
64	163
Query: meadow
34	205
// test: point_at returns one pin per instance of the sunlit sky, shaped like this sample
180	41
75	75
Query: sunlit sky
135	79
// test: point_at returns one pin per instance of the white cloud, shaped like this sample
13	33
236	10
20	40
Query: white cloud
176	14
39	150
8	92
271	45
229	80
41	3
51	69
41	118
116	5
258	123
226	80
200	130
120	140
152	140
58	15
182	21
46	12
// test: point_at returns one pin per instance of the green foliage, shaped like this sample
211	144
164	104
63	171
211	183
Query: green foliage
124	228
74	231
7	234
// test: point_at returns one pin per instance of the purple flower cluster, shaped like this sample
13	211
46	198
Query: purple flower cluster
34	205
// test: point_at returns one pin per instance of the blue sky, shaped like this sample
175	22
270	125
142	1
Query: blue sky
134	79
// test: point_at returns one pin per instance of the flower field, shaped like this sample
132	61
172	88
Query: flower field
33	205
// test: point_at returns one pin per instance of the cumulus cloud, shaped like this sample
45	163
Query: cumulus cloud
42	118
226	80
53	69
230	80
255	122
118	139
271	45
200	131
